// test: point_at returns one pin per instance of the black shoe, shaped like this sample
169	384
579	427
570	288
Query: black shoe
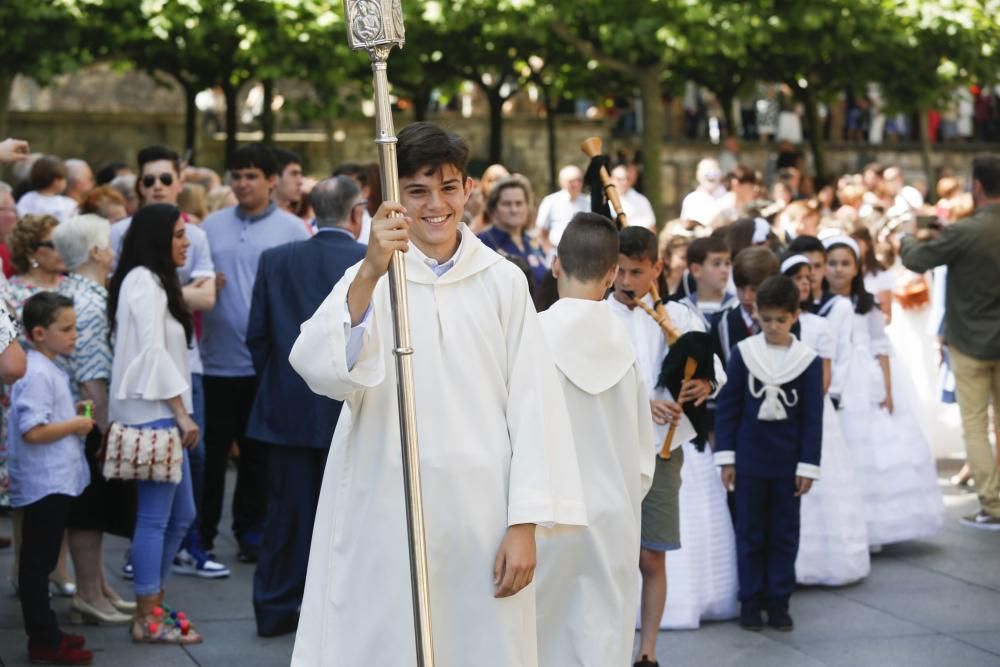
780	619
248	553
644	661
751	619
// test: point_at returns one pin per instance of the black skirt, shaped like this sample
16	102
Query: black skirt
106	505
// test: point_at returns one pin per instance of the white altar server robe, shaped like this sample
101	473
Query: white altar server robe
587	580
495	450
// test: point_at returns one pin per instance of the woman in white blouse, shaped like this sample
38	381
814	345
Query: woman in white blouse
150	388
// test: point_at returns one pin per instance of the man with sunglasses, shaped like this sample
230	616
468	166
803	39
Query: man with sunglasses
160	181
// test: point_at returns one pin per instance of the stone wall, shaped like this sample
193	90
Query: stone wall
104	136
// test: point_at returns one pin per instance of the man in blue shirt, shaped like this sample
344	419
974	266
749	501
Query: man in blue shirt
295	424
237	236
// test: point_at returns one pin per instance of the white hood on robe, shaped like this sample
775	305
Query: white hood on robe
589	344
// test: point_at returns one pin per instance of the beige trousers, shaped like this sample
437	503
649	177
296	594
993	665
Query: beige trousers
978	384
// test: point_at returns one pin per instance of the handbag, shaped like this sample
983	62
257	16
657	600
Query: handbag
151	454
914	294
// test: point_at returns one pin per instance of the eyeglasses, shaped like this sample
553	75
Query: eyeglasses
45	244
149	180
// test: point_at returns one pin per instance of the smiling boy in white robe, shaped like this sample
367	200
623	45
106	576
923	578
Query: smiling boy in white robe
586	585
496	452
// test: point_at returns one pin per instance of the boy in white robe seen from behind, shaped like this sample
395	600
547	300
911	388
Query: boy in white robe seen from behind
496	450
586	582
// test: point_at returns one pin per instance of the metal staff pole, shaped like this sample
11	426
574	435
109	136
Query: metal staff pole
376	26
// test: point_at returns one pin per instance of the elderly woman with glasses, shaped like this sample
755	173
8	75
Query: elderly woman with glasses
106	506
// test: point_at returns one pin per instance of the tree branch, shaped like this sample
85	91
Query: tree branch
588	49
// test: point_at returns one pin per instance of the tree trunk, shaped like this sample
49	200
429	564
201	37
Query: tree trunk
808	97
232	124
496	122
267	112
550	128
726	101
6	85
652	138
923	127
421	103
190	120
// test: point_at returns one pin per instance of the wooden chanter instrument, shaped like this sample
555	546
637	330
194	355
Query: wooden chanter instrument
671	333
592	148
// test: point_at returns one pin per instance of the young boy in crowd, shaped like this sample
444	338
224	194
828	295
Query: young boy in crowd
586	579
47	470
709	264
812	249
768	436
638	267
751	267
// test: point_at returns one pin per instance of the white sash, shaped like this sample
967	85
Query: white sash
758	363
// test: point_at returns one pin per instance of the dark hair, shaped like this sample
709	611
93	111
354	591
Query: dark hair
739	235
284	158
356	171
638	243
869	262
108	171
425	147
778	292
45	171
986	170
588	248
743	174
149	243
155	153
803	244
42	309
754	265
862	298
700	249
254	156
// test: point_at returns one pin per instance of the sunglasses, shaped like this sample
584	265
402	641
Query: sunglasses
45	244
149	180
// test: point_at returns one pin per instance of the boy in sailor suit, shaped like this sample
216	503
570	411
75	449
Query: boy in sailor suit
768	435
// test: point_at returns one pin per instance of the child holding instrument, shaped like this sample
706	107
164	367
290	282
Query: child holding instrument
586	578
768	435
639	268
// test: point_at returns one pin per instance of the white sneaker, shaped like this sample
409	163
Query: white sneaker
185	563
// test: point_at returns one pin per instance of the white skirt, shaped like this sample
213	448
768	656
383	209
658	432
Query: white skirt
701	575
833	539
895	467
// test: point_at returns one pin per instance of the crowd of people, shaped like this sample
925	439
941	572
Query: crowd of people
177	311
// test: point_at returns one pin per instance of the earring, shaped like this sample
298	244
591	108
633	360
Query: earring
34	263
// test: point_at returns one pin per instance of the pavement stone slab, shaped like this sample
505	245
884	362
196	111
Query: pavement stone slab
926	651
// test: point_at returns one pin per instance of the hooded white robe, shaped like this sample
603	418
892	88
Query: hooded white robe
587	583
495	450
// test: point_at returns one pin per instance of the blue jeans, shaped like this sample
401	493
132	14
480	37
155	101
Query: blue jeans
164	513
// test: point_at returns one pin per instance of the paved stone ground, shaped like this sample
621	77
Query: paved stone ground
928	604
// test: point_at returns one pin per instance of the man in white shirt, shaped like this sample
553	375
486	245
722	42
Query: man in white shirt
638	210
702	204
557	209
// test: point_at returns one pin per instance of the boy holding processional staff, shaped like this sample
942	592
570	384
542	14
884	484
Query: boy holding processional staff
496	455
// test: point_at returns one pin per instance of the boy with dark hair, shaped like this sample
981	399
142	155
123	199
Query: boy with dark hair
639	267
709	264
237	237
288	189
751	267
586	579
490	473
768	436
812	249
47	470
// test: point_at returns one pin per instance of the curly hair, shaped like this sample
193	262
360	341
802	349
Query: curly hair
24	238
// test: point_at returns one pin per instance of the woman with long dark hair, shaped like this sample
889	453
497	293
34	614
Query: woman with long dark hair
152	329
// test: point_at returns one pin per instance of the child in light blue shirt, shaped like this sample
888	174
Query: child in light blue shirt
47	469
